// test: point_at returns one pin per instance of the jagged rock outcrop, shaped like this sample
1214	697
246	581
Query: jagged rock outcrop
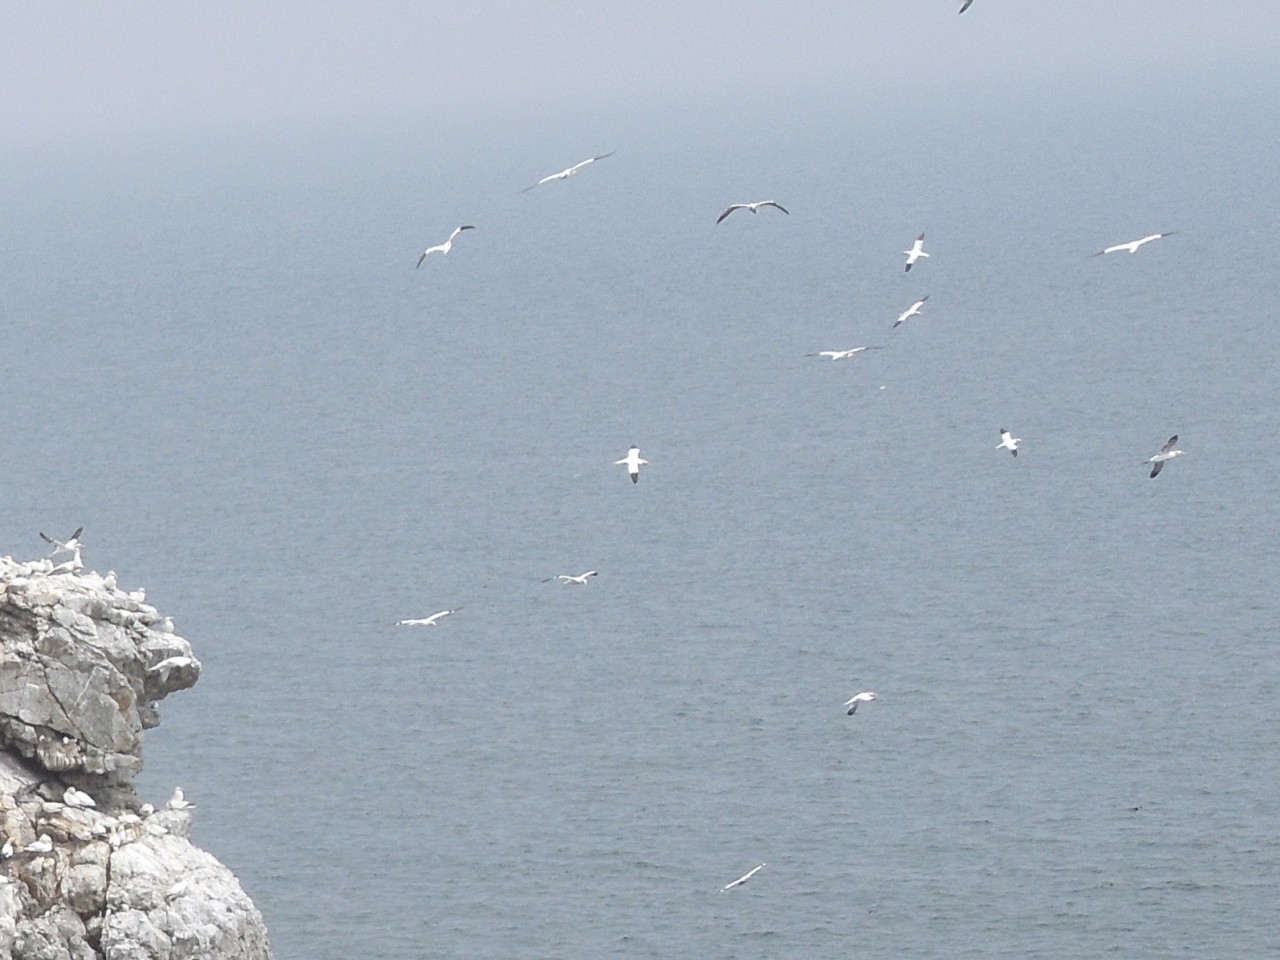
88	871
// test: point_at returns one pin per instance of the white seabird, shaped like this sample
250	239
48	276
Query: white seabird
77	798
443	247
176	802
857	698
753	207
74	565
1167	452
43	845
841	354
568	171
70	545
744	878
580	579
430	621
913	310
1133	245
633	462
916	252
1008	442
6	851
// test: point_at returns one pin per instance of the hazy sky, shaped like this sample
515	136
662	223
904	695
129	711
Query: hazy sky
76	68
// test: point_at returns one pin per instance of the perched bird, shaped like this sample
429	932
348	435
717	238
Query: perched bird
916	252
176	802
633	463
841	354
568	171
77	798
1167	452
179	889
753	207
43	845
1008	442
70	545
566	578
744	878
857	698
74	565
1133	245
430	621
6	851
914	309
443	247
966	5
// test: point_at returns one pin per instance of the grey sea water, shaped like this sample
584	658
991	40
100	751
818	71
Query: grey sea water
219	358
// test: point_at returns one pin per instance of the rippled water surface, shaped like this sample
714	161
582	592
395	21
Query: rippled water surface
220	359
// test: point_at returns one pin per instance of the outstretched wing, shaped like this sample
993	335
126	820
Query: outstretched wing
1173	442
732	207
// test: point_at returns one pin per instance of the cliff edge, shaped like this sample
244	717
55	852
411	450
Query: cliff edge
87	870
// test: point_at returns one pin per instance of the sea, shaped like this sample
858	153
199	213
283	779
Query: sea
219	358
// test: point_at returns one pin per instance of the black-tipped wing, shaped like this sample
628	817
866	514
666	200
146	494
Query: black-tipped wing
967	5
732	207
779	206
1156	468
1173	442
45	537
76	535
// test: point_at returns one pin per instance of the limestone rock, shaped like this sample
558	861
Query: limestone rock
82	666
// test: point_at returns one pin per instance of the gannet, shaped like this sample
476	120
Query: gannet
6	851
857	698
43	845
1133	245
914	309
753	207
443	247
744	878
1167	452
430	621
1008	442
568	171
77	798
74	565
566	578
633	462
176	802
841	354
70	545
916	252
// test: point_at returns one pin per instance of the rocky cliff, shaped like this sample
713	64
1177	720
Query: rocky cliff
87	870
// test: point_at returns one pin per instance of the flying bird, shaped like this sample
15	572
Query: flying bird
857	698
1167	452
443	247
744	878
841	354
753	207
914	309
633	462
568	172
967	4
71	545
916	252
1008	442
1133	245
430	621
566	578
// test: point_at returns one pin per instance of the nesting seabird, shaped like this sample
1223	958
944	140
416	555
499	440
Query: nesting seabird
753	207
916	252
1008	442
857	698
74	565
632	462
70	545
1167	452
43	845
568	171
580	579
913	310
1133	245
430	621
77	798
6	851
443	247
176	802
744	878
